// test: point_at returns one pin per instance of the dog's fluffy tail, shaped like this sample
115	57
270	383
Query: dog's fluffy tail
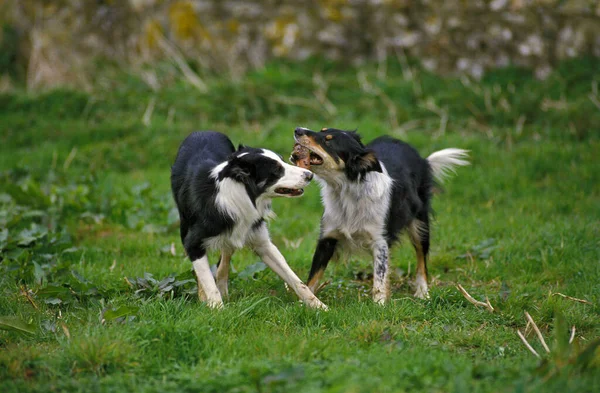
444	162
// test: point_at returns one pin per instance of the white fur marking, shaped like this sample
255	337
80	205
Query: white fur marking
233	200
444	162
422	291
356	211
272	155
380	272
214	173
207	281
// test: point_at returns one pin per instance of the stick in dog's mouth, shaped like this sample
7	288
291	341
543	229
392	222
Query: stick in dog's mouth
303	157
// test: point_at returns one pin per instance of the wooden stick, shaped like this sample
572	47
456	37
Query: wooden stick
537	331
474	301
572	334
573	298
323	285
527	327
25	293
522	337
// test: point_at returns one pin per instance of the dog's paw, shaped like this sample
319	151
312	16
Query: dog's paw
422	293
380	298
215	304
317	304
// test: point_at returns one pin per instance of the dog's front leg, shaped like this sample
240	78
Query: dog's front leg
207	288
380	272
271	256
323	253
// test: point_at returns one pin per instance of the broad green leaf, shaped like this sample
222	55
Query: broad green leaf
251	270
120	312
53	291
3	238
16	324
28	236
38	273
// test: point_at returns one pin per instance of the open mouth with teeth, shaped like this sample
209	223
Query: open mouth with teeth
315	159
289	191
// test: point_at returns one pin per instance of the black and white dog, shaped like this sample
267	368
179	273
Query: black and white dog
371	194
224	197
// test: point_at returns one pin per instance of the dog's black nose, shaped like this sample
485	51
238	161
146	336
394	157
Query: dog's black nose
308	175
299	131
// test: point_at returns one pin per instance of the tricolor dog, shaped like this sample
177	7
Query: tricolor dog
224	197
371	194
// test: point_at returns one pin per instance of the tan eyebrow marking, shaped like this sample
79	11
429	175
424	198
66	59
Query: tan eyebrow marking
329	137
323	129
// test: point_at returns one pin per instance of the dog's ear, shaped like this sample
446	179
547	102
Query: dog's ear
240	170
241	147
358	165
356	136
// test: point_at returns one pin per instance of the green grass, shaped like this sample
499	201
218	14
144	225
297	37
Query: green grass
85	203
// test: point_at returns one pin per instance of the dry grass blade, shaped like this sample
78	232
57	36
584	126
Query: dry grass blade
27	295
146	119
65	330
537	331
522	337
179	59
572	334
70	158
573	298
474	301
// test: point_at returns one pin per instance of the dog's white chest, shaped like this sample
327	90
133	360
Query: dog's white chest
244	214
356	212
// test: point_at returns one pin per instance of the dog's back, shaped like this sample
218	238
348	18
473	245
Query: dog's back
413	181
199	152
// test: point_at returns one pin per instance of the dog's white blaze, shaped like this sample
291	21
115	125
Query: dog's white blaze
272	155
294	177
207	281
357	210
444	162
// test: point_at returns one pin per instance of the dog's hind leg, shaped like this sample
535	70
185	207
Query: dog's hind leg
207	288
380	272
323	253
223	273
419	236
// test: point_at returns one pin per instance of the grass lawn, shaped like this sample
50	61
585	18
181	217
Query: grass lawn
96	294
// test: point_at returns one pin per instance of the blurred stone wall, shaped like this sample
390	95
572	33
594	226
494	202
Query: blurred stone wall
58	40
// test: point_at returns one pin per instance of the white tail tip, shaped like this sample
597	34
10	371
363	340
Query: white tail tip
444	162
